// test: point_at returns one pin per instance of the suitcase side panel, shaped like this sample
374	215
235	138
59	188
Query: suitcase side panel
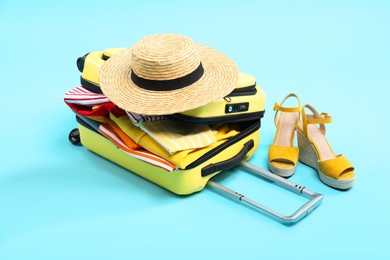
225	109
93	62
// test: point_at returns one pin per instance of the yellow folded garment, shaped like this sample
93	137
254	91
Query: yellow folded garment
181	158
175	136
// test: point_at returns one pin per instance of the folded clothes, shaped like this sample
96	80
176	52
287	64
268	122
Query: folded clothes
109	124
161	140
181	158
100	113
113	133
141	154
172	135
175	136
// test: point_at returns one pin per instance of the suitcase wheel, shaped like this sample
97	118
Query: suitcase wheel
74	136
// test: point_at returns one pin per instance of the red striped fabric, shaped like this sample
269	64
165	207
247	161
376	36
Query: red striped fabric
83	96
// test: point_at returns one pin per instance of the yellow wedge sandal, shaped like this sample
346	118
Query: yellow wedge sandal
282	155
334	170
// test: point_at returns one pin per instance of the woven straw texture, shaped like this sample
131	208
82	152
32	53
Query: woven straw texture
166	57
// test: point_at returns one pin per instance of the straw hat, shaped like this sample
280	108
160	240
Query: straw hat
167	73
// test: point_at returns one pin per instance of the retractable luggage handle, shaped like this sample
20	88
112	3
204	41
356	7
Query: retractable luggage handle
304	210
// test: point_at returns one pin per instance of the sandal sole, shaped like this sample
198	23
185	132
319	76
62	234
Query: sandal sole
283	172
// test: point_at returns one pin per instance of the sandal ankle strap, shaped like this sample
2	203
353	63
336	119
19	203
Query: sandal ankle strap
280	107
315	118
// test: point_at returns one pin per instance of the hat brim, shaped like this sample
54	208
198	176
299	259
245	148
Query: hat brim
219	79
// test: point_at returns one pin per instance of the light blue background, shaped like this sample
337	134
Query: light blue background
59	201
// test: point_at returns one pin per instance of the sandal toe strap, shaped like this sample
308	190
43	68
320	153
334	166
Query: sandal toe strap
335	167
283	153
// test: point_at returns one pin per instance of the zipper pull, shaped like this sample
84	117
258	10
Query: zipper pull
227	99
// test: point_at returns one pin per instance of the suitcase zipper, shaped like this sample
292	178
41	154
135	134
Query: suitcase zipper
245	91
246	132
220	119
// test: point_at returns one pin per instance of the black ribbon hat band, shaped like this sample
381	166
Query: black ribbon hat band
171	84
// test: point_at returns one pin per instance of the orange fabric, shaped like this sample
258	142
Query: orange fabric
141	154
122	135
